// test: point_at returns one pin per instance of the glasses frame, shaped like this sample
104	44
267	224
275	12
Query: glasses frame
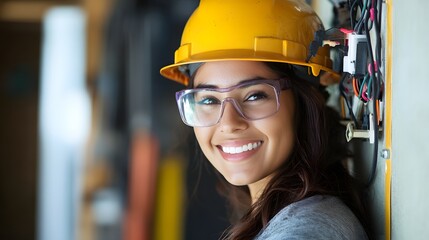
278	84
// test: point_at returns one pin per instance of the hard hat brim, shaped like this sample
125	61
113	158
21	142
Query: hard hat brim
172	71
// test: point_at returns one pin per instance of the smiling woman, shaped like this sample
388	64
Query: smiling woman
266	131
271	137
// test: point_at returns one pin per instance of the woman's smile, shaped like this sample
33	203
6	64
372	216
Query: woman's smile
238	150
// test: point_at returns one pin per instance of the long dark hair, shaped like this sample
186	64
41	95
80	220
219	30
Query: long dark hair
315	166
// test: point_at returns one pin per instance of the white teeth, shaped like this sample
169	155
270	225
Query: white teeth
244	148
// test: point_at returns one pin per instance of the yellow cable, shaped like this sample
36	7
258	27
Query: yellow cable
388	120
387	192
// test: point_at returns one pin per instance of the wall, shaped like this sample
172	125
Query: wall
410	113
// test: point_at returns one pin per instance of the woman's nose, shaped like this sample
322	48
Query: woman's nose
232	119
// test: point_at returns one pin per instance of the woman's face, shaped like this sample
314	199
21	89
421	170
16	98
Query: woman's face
271	138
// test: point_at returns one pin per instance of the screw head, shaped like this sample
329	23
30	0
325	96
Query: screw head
385	153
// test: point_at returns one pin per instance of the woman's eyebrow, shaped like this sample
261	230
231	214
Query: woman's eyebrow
203	85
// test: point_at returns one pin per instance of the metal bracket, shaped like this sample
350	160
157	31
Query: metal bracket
351	132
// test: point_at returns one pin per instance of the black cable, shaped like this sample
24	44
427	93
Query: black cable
375	91
344	76
359	24
375	128
353	13
377	73
368	38
378	11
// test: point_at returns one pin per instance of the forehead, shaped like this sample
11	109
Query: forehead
228	73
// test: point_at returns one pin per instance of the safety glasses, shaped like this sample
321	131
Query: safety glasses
253	100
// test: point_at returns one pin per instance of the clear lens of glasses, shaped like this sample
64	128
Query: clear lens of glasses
204	107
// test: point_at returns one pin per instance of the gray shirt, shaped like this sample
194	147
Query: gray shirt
316	217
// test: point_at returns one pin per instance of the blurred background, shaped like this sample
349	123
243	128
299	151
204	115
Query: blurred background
92	146
91	143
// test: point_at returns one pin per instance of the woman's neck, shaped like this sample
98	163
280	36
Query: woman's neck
257	188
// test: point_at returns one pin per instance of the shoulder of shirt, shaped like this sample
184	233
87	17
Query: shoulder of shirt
316	217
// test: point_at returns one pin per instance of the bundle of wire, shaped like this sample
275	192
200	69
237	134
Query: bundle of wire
365	16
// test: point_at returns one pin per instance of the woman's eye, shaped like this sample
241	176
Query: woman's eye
256	96
209	101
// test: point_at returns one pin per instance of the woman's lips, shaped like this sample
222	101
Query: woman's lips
237	152
243	148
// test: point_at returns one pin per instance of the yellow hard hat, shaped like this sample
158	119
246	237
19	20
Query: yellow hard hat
253	30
